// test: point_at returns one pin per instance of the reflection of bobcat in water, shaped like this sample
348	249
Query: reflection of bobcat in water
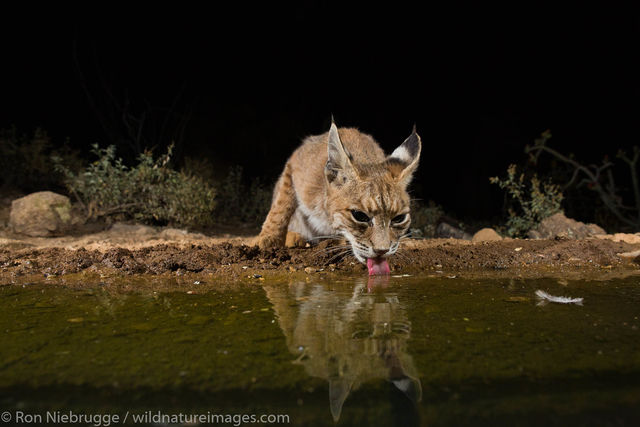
341	184
346	340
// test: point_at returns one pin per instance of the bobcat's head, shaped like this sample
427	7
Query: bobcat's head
368	202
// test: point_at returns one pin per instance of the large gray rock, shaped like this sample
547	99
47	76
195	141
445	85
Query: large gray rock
558	225
448	231
41	214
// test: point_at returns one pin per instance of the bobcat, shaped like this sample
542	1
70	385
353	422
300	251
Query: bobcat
341	184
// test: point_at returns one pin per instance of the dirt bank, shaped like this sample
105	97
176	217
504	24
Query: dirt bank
133	250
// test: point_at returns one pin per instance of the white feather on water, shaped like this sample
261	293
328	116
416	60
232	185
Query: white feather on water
561	300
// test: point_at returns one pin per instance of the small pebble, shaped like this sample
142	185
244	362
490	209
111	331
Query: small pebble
309	270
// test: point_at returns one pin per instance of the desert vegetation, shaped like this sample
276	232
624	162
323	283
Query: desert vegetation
161	189
149	192
611	186
551	181
529	200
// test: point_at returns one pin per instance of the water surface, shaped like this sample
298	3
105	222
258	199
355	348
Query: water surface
324	351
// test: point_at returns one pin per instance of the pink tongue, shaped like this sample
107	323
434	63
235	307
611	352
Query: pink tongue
378	266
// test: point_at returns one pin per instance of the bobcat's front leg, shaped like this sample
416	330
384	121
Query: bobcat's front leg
283	205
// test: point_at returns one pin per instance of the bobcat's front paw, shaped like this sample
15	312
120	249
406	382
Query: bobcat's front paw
265	242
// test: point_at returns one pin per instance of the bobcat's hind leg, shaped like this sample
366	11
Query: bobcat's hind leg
283	205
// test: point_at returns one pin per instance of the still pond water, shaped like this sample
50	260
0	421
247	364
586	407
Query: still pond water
329	351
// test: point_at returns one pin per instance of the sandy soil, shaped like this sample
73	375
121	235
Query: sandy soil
134	249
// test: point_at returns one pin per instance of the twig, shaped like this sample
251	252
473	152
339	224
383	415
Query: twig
634	174
607	196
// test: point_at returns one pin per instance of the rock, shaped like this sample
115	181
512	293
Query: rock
179	234
558	225
621	237
486	235
632	254
446	231
41	214
133	229
174	234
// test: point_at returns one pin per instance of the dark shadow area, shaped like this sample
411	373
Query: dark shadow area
241	88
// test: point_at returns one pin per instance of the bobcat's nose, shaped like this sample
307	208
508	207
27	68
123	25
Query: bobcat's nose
381	252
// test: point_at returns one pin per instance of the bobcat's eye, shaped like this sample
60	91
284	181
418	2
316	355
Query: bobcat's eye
360	216
399	218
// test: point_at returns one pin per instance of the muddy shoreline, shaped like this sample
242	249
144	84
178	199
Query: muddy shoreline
196	257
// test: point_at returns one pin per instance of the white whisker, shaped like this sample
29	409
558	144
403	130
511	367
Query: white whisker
328	237
338	255
331	249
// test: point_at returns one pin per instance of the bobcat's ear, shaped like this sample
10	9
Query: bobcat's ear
338	160
339	389
404	159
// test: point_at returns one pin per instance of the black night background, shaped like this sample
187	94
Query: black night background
243	86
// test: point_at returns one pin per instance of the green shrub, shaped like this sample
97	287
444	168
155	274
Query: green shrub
530	203
242	203
25	161
151	192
